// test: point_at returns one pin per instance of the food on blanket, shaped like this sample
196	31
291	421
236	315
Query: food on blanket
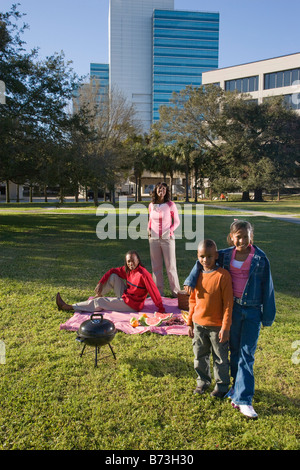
175	321
153	321
142	319
185	315
134	322
163	316
158	319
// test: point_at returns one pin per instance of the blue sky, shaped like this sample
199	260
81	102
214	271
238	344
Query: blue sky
250	30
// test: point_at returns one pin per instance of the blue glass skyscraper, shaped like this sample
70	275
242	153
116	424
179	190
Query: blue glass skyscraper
185	44
101	72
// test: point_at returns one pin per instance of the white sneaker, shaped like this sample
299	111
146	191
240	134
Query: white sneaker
248	411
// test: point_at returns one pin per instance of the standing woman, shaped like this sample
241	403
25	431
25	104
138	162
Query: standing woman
163	221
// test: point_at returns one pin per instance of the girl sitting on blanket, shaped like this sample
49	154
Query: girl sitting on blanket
129	297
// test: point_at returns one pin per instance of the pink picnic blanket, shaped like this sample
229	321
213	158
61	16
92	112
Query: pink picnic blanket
122	319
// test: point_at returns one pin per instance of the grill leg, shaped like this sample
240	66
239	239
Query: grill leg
112	350
97	349
82	350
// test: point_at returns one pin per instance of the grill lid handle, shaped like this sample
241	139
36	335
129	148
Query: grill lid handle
97	315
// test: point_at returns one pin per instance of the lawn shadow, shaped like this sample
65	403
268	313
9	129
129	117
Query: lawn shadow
158	367
274	403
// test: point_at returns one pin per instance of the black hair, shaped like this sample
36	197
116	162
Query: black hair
154	193
208	243
130	253
238	225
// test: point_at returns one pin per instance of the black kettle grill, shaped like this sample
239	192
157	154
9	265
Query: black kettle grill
96	332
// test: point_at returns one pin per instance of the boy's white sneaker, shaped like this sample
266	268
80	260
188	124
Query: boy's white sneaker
246	410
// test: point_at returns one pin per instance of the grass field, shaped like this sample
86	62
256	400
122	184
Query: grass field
51	399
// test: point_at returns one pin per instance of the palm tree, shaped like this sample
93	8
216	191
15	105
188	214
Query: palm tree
184	150
164	158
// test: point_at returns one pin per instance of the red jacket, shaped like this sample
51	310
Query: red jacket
139	284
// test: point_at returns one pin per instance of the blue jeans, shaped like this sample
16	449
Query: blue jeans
244	335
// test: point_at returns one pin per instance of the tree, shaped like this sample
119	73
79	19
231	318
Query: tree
243	144
191	125
34	116
260	142
110	120
164	158
14	67
137	151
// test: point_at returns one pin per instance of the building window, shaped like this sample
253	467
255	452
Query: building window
242	85
281	79
292	101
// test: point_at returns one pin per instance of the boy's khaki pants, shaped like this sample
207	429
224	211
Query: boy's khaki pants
206	343
163	250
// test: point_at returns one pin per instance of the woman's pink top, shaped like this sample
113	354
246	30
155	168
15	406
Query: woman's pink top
240	275
163	219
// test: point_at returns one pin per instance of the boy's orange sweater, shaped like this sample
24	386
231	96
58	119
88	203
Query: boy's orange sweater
211	301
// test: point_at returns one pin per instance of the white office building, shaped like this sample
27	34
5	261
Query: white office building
262	79
130	51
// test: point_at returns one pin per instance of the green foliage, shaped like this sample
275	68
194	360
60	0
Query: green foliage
33	121
51	399
243	144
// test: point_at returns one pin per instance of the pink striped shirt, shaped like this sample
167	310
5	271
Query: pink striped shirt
240	275
163	219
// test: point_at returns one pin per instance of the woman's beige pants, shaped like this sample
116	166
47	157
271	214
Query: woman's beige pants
163	250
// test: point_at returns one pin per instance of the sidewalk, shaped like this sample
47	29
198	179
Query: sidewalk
295	219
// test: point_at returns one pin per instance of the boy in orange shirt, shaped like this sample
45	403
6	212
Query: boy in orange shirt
209	320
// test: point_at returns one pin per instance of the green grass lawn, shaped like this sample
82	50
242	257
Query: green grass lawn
50	398
289	205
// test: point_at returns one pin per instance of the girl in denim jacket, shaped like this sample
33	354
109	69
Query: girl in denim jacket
254	303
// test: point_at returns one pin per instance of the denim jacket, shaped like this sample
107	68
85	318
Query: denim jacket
259	289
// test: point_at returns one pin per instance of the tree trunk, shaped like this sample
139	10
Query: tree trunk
7	193
140	188
136	187
113	194
258	195
96	195
245	196
76	194
187	185
61	195
196	183
171	185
